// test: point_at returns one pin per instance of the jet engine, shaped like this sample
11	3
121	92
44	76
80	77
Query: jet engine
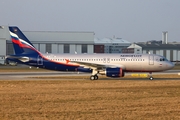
113	72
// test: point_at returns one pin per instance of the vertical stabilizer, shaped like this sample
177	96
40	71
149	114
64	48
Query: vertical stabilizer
20	42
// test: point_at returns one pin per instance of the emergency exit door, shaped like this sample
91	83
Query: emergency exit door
151	59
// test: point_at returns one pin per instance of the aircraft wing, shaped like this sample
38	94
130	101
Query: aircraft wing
93	65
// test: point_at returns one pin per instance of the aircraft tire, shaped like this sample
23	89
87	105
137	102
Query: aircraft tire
151	78
95	77
92	77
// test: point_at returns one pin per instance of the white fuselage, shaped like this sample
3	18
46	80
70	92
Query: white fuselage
128	62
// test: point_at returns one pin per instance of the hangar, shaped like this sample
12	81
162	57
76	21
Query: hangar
71	42
59	42
68	42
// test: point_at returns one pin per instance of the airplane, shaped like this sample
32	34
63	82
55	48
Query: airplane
111	65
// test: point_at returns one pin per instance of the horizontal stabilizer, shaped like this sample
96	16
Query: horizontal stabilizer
22	59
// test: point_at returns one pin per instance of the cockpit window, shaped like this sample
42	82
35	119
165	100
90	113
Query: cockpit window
163	59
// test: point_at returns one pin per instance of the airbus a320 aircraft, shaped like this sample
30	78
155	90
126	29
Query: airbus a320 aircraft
111	65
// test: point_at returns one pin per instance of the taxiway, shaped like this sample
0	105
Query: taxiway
33	75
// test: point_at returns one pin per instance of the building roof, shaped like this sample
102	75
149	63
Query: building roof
60	37
160	46
111	40
134	46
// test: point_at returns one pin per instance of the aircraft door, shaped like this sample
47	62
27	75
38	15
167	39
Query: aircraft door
39	60
108	60
104	60
151	59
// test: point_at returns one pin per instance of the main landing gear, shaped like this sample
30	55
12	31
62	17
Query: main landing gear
93	77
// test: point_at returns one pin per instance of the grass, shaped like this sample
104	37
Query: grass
78	98
89	100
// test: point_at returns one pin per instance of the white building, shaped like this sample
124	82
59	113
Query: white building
4	35
170	51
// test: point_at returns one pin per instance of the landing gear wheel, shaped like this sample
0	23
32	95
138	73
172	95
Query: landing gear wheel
93	77
151	78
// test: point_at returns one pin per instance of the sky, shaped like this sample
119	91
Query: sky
132	20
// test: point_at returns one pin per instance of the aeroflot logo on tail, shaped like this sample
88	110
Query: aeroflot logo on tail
15	30
21	42
130	55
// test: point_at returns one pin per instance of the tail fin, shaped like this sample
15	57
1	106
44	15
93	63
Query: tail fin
21	44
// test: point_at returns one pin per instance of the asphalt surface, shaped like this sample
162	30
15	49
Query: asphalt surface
49	74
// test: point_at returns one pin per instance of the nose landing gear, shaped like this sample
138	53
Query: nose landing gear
150	76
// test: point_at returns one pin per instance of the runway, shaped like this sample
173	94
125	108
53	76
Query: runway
30	75
34	74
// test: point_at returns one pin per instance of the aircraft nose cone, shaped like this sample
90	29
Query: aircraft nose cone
170	65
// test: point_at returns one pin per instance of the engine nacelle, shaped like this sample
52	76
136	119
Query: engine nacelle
113	72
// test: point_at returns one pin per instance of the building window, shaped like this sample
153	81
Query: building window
66	48
10	49
84	48
48	48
